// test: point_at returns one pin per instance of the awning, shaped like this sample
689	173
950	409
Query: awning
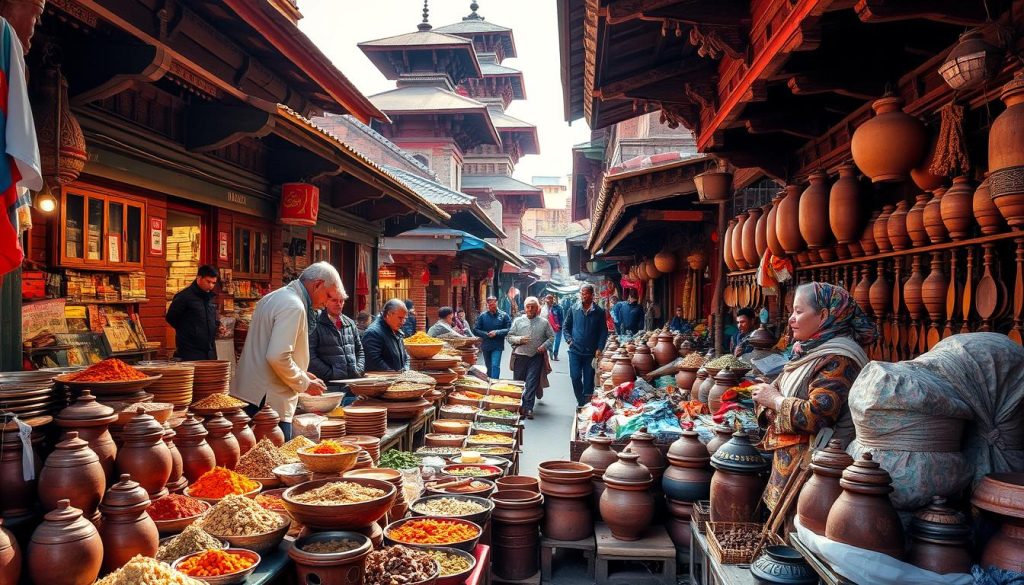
450	242
564	289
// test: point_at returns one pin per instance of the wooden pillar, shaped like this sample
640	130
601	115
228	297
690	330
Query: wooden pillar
10	321
418	293
719	262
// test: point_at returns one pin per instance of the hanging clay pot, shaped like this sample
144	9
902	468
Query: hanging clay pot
813	217
867	237
880	293
665	262
652	270
727	257
72	472
922	174
65	549
937	232
92	422
266	425
863	516
224	444
896	227
845	206
761	232
144	455
627	505
915	221
642	443
957	209
688	477
771	232
940	540
738	481
749	242
985	211
623	370
724	380
196	454
10	557
665	351
822	489
125	527
787	221
880	229
888	146
1006	154
62	146
241	430
737	242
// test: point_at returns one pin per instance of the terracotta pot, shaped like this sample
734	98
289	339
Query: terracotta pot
72	472
652	270
599	454
782	565
222	441
888	146
10	557
771	232
688	477
626	505
845	206
144	455
881	229
665	262
702	376
822	489
705	388
863	516
176	478
65	549
749	237
725	380
862	292
524	482
787	221
567	518
922	174
937	232
933	289
265	425
727	257
738	481
761	232
565	479
241	430
514	524
623	370
813	217
642	443
855	249
92	422
685	378
915	221
1006	154
985	211
940	540
896	227
880	293
643	361
713	185
867	237
1002	494
196	454
912	290
678	523
723	434
125	527
843	251
345	568
957	209
738	236
17	495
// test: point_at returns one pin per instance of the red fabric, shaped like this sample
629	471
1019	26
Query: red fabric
11	253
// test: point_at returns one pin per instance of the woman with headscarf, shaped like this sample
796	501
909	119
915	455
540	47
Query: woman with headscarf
830	332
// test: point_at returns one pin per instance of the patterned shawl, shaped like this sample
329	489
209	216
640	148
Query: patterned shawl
845	319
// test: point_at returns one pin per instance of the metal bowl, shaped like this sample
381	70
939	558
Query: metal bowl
325	402
339	516
230	578
260	543
467	545
479	518
293	473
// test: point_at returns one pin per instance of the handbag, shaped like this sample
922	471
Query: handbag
555	325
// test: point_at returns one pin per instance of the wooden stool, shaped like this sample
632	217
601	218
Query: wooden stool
654	546
547	550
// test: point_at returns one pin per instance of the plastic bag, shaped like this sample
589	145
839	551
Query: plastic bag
412	482
308	425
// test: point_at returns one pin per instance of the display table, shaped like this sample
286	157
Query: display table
272	565
705	570
415	427
394	437
825	572
481	574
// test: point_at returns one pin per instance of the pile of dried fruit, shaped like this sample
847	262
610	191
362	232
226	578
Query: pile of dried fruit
261	460
213	563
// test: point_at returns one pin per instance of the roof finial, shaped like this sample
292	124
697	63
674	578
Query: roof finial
473	15
425	25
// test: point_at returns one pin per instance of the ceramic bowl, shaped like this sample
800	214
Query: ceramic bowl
339	516
467	545
423	351
455	578
479	518
450	426
329	462
491	472
178	524
230	578
293	473
261	543
325	402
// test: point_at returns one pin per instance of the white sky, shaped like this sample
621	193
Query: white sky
337	25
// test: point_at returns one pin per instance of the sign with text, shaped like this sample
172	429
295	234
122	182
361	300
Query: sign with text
156	236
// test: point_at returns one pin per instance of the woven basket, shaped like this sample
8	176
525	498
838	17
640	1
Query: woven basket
732	556
701	515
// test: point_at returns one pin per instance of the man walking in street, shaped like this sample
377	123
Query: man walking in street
530	336
193	315
335	348
585	332
554	317
631	318
492	326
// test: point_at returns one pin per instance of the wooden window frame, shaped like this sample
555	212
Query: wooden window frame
107	197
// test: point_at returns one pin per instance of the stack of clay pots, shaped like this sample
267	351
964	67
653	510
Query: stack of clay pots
514	525
685	482
225	446
567	487
598	455
627	505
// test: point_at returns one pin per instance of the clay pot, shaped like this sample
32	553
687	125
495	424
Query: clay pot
888	146
521	482
957	209
787	221
222	441
688	477
896	227
17	495
737	242
867	237
567	518
685	378
723	434
915	221
725	380
813	218
771	232
514	525
813	256
175	481
937	232
702	376
880	293
761	232
738	481
643	361
626	505
623	370
855	249
642	443
761	338
196	454
72	472
125	527
933	289
1002	493
566	479
144	455
727	257
782	565
92	422
599	454
863	516
678	522
985	211
940	540
241	430
705	388
822	489
862	292
10	557
880	229
845	206
912	290
922	174
665	262
265	425
748	242
65	549
345	568
665	351
1006	154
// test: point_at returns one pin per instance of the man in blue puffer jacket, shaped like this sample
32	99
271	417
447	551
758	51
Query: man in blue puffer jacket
335	348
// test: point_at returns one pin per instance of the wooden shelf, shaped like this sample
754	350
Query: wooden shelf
72	302
47	348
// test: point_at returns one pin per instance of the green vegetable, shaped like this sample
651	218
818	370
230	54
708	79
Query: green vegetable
498	413
395	459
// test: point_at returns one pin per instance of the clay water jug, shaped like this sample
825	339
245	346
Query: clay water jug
863	516
224	444
1006	154
737	242
867	237
72	472
265	425
627	505
985	211
724	380
241	430
688	477
17	495
771	233
598	455
144	455
940	539
957	209
92	422
723	433
623	370
10	557
888	146
175	481
813	209
665	351
196	454
749	241
787	221
845	206
685	378
642	443
727	256
880	229
899	239
738	481
125	527
65	549
761	231
915	221
937	232
822	489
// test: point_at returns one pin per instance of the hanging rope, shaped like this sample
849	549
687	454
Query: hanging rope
950	149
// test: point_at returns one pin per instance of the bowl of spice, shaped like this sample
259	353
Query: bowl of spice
219	483
329	504
329	456
174	512
192	539
473	470
451	426
460	485
433	531
144	570
421	346
245	524
293	473
271	500
443	452
443	440
459	411
289	451
259	462
490	439
505	453
108	378
331	556
495	428
215	403
495	401
219	567
395	459
473	508
506	389
403	391
498	415
465	398
400	564
456	565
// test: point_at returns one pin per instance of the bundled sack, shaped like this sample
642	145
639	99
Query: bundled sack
912	422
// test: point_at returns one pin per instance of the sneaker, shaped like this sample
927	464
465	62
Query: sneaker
529	414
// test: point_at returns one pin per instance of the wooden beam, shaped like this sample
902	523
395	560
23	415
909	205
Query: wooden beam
696	69
673	215
348	192
719	13
818	83
286	165
956	12
800	124
387	208
212	126
622	234
98	70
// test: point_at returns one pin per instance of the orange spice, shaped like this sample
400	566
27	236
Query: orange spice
220	482
329	447
213	562
433	531
109	370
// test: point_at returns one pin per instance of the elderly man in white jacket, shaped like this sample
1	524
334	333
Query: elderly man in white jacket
273	365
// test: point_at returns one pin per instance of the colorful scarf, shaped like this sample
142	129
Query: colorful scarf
845	318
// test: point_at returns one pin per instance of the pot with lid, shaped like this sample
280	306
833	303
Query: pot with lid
738	481
940	539
125	528
73	473
144	455
863	516
196	454
65	549
92	422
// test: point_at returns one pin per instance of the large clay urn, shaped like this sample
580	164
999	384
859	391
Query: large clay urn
196	454
822	489
514	523
813	217
749	242
881	229
266	425
10	557
144	455
643	360
863	516
957	209
888	146
724	380
937	232
665	351
241	430
738	235
738	481
705	387
125	527
787	221
761	231
623	370
65	549
1003	494
771	232
867	237
176	480
915	221
688	477
598	455
723	433
1006	154
92	422
627	505
17	495
940	539
224	444
985	211
844	206
642	443
727	256
72	472
685	378
896	227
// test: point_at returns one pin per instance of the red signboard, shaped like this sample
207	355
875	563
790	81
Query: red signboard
300	204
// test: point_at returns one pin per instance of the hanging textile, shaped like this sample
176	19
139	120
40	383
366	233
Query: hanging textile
362	280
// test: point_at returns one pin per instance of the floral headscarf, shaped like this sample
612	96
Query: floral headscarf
845	319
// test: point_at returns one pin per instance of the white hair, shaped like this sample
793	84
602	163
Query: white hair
325	272
531	299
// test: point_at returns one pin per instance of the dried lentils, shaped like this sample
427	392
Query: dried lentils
240	516
261	460
192	539
338	492
146	571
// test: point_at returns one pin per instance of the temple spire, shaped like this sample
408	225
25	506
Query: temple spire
425	25
473	6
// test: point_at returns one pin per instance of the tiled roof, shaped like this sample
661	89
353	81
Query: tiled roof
498	183
418	38
471	26
423	98
495	69
377	136
432	191
502	120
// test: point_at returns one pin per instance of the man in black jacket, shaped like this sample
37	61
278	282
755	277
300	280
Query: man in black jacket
193	315
383	341
335	348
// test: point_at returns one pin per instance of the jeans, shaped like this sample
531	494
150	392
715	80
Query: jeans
558	342
252	409
581	372
492	361
529	369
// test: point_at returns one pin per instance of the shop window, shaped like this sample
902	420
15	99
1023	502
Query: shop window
322	250
393	283
252	252
100	230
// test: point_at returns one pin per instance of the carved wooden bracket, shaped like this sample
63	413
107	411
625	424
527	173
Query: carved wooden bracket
811	84
958	12
99	70
212	126
713	42
686	115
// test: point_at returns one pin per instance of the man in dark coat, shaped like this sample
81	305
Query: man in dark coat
335	348
492	326
632	316
409	325
193	314
585	331
383	341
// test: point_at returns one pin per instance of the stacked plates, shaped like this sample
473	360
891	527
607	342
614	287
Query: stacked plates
175	384
369	444
211	377
29	394
366	420
398	411
333	429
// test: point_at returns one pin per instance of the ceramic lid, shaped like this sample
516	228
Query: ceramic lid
65	524
831	460
641	436
643	348
238	418
628	469
218	425
142	426
72	452
866	476
1001	493
601	441
266	416
169	434
726	377
124	494
688	448
738	455
940	524
1014	87
761	338
191	428
86	409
